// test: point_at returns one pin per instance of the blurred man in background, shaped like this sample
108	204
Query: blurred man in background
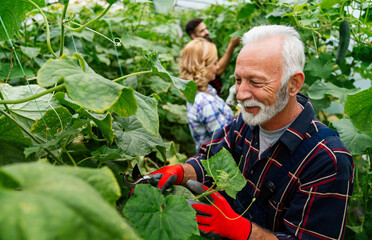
197	28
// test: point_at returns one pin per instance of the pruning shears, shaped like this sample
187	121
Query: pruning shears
137	178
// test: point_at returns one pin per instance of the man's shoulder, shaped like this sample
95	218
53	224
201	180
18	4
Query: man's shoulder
331	140
203	98
331	151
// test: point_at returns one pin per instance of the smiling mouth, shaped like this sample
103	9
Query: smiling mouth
253	109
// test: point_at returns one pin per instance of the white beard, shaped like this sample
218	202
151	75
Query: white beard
266	112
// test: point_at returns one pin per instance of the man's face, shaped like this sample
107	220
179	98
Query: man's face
201	31
258	81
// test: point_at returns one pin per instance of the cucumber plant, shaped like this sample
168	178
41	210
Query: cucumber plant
72	107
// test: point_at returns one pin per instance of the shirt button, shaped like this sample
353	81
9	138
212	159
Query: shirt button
251	171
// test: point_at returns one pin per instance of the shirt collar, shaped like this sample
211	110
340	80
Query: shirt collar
296	132
210	90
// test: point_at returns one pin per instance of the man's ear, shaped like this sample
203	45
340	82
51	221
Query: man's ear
295	83
192	35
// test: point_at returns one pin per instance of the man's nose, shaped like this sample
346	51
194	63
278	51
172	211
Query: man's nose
243	91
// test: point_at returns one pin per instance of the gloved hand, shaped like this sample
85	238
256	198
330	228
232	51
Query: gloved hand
219	220
168	176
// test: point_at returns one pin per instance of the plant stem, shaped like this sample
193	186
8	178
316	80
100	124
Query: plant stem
139	21
83	160
130	75
30	135
365	18
91	21
93	136
65	150
47	28
33	96
98	33
2	98
81	61
205	194
62	43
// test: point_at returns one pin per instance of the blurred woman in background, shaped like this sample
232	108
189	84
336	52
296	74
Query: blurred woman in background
209	112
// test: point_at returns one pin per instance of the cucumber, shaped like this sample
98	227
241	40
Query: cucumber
344	41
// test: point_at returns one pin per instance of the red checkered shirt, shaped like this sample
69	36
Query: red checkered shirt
311	202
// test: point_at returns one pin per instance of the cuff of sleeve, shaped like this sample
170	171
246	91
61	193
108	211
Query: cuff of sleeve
198	169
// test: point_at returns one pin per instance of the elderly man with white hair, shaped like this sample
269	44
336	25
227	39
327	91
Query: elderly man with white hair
297	169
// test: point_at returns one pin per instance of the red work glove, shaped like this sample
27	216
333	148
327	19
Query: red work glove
168	176
212	222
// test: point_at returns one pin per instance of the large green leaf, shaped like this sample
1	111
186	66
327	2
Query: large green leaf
156	217
163	6
15	73
65	100
103	122
12	142
54	121
31	109
126	105
12	133
326	4
362	53
104	154
355	141
11	154
147	113
318	89
31	52
246	11
55	202
158	85
359	108
177	113
72	130
13	13
226	174
320	67
88	89
102	180
187	87
133	138
134	41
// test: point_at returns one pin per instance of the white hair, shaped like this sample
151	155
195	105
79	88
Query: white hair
293	53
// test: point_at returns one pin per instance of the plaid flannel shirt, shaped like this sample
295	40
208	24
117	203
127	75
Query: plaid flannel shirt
312	201
208	113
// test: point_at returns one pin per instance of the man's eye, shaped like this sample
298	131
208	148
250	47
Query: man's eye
238	80
257	84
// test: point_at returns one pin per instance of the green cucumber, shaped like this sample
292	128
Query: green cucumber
344	41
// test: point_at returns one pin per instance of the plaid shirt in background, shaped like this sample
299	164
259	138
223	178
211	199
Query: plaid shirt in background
311	201
208	113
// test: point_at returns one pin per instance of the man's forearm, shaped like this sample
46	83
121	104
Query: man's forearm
259	233
189	173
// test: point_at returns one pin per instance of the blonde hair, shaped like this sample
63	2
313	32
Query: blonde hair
196	57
